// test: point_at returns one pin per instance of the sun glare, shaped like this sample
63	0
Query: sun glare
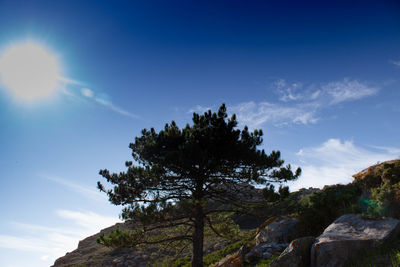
29	71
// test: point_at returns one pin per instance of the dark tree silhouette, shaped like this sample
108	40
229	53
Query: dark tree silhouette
207	162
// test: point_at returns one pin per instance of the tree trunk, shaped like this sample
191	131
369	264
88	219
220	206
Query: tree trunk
198	237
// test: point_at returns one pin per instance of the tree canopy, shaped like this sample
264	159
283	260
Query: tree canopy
177	173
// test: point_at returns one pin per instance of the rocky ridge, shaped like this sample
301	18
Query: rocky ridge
278	237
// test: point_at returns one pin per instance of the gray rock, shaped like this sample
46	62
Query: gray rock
264	251
266	255
252	256
297	254
348	236
273	246
273	238
281	230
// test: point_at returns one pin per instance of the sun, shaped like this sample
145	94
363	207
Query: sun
29	71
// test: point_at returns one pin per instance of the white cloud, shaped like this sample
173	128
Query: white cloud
335	162
390	150
199	109
87	220
44	257
347	90
87	92
26	244
90	94
111	106
330	93
289	92
87	192
256	114
299	103
53	242
395	62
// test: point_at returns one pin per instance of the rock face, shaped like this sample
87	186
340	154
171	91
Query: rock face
297	254
273	237
348	236
279	230
89	253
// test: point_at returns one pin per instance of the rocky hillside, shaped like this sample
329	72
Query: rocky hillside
310	227
89	253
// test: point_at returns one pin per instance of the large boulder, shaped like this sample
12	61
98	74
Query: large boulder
281	230
348	236
273	237
297	254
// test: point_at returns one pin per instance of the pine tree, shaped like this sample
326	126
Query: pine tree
177	173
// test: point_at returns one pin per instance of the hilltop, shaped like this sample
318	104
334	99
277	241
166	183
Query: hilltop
374	194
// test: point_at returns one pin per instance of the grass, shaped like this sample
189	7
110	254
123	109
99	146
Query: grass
263	263
218	255
213	257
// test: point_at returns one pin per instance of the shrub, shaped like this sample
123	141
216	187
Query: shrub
283	192
381	185
321	208
272	196
387	200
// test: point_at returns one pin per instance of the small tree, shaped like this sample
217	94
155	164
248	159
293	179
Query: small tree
179	172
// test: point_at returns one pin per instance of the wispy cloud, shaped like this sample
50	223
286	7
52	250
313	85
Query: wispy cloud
288	91
335	161
300	103
199	109
256	114
330	93
85	93
53	242
111	106
85	191
87	220
348	90
395	62
391	150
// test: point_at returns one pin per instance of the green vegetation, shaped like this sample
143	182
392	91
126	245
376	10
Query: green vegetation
210	258
383	183
218	255
213	257
183	179
321	208
272	196
388	255
317	210
373	194
264	263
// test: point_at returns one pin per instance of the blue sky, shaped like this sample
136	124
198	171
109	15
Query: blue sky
321	78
